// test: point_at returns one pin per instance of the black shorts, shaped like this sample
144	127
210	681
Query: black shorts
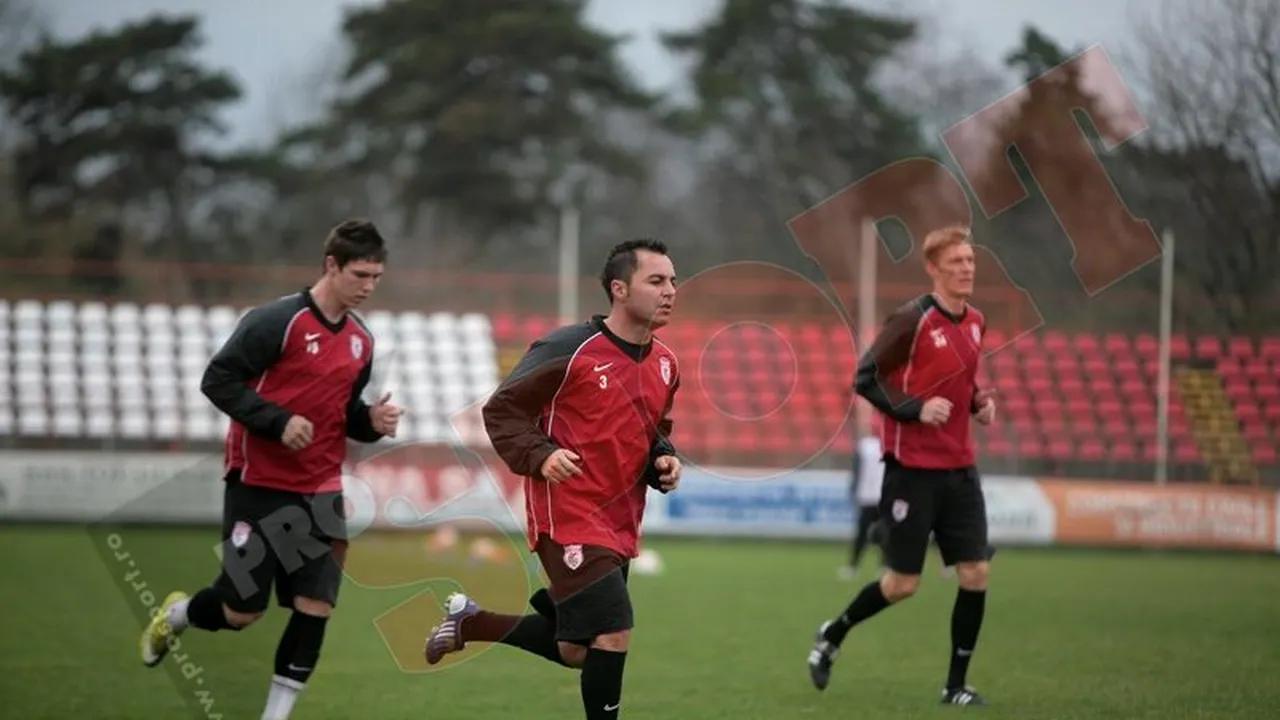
945	503
588	585
296	541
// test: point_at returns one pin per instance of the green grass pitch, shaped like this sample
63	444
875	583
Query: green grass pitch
722	633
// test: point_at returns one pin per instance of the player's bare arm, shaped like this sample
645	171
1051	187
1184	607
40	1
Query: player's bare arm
250	351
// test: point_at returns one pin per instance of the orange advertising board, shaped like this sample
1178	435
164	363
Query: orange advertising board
1169	516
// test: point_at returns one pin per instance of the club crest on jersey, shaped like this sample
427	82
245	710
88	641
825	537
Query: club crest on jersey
900	509
240	533
573	556
977	334
664	366
939	337
357	346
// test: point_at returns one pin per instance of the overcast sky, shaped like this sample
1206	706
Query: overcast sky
271	44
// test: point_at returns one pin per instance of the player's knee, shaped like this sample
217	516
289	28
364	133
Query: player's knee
613	642
240	620
973	576
574	655
312	607
897	587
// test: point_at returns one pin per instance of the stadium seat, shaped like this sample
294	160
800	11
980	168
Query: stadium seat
126	370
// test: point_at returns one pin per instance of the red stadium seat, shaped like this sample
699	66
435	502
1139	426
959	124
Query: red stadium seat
999	446
1270	348
504	327
1052	425
1055	342
1208	347
1026	343
1023	424
1101	386
1147	345
1258	369
1264	453
1124	451
1079	405
1095	367
1267	393
1071	386
1091	450
1241	347
1179	347
1117	344
1127	368
1087	344
1186	453
1039	384
1060	449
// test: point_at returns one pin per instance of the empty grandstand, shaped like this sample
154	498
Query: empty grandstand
772	394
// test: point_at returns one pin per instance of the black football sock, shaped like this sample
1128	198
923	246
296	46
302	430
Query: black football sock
299	648
602	683
868	602
531	633
966	622
204	611
296	658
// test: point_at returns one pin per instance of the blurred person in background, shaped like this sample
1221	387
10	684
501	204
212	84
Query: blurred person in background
868	477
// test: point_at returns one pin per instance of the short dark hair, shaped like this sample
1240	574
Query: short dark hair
353	240
621	263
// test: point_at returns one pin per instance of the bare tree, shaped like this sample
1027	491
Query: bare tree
1208	79
942	78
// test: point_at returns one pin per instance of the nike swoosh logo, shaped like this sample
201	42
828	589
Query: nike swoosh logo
311	336
295	668
611	708
598	368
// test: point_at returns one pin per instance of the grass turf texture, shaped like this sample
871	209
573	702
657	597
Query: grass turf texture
723	633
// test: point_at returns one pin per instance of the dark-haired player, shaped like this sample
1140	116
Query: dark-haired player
920	374
585	418
290	377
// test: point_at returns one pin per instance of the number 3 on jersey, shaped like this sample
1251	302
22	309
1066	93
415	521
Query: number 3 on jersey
604	382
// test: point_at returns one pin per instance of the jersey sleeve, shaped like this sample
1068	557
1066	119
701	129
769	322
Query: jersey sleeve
253	347
887	354
512	413
973	402
359	423
662	440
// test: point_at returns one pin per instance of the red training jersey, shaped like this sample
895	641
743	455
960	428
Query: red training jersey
585	389
286	359
924	351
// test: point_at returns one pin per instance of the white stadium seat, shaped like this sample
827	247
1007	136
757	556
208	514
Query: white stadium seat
125	316
124	370
67	422
93	315
100	423
33	421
